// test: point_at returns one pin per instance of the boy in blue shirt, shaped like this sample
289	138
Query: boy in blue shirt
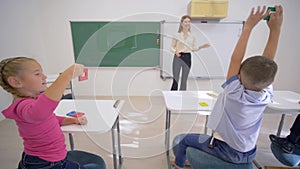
237	114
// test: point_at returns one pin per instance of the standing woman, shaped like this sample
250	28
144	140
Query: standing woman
183	44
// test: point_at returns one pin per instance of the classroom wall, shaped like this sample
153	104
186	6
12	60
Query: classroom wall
41	29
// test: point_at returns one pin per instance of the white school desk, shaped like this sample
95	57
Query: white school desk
284	102
188	102
102	116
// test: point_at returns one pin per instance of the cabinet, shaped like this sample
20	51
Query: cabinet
208	9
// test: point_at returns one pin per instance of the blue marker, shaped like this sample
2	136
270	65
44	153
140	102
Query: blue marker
71	113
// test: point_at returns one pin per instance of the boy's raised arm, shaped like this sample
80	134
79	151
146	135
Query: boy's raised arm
240	48
274	25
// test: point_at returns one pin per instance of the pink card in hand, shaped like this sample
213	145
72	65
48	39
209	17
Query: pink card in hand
84	76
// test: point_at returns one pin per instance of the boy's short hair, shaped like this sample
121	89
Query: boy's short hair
258	72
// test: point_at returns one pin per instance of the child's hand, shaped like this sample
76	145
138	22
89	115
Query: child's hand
177	53
81	120
76	70
276	18
255	17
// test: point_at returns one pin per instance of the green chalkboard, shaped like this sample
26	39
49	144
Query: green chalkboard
116	44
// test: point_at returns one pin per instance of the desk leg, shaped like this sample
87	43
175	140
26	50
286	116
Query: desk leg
119	143
71	141
167	137
113	144
280	125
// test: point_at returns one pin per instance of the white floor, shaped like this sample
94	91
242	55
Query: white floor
142	125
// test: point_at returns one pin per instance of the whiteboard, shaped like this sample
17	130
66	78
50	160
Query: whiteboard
210	62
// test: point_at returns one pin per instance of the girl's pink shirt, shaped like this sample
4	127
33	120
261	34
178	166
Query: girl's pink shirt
39	127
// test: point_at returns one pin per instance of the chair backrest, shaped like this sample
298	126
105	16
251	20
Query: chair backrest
202	160
86	159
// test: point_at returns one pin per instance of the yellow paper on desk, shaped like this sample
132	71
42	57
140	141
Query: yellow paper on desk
204	104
